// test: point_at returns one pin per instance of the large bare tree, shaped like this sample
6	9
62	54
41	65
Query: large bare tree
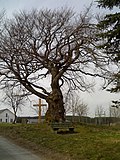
58	44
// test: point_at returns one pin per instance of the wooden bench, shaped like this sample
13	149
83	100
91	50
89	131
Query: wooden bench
62	126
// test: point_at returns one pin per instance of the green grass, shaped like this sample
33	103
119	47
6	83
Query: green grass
87	143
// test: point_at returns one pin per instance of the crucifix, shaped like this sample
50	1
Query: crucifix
39	105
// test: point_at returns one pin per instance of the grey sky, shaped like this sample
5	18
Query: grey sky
10	6
15	5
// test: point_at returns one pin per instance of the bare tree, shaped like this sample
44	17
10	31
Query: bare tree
82	110
76	106
58	44
99	113
71	101
14	98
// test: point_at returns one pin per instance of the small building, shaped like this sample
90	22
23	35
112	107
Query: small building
6	116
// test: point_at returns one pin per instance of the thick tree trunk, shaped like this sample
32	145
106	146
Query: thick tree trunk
55	110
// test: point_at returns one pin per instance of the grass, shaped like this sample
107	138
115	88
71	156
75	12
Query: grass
87	143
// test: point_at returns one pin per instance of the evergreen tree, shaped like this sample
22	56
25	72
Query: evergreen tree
109	3
110	36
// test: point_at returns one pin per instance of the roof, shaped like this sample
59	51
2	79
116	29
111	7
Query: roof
2	110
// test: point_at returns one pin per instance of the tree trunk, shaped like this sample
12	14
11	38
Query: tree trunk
56	111
15	119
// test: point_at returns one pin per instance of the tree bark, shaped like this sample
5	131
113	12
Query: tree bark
56	111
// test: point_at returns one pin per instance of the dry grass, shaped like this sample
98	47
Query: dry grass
87	143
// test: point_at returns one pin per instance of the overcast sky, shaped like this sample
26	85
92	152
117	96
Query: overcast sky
11	6
15	5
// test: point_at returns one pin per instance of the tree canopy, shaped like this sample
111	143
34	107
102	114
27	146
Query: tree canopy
58	44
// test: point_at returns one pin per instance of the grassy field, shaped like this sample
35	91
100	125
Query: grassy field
87	143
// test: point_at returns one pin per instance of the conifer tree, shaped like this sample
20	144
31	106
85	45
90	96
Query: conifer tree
110	34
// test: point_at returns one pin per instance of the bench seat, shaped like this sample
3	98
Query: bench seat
62	125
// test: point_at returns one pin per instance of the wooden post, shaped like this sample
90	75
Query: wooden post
39	105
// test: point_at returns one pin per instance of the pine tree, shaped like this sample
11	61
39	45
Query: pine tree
110	34
109	3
